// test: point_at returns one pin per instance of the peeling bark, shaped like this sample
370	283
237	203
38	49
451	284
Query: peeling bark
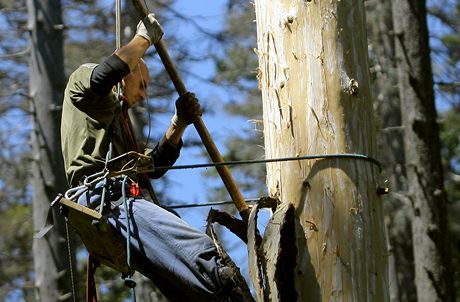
277	261
286	260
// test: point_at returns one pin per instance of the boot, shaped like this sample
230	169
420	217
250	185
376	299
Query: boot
233	284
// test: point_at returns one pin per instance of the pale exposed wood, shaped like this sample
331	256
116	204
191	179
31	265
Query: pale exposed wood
316	100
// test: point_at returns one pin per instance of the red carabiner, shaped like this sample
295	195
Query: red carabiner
134	189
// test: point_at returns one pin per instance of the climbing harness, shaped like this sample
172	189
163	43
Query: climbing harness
104	243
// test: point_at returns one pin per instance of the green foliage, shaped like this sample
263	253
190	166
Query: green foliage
236	66
237	69
451	141
446	59
110	285
450	138
16	250
446	49
452	43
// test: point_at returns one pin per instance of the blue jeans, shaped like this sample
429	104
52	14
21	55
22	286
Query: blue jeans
181	261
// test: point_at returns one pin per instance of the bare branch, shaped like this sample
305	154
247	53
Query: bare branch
17	54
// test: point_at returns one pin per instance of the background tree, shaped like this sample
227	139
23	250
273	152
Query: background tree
424	168
46	79
388	114
16	223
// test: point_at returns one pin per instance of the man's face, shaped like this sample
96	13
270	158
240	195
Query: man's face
135	89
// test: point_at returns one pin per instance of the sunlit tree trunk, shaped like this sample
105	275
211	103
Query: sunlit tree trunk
316	100
422	150
47	80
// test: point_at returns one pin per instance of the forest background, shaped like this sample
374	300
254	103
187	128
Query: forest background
212	43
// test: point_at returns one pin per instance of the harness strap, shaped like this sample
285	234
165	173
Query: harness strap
91	292
129	132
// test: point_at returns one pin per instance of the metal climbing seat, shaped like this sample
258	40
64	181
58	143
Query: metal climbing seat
101	239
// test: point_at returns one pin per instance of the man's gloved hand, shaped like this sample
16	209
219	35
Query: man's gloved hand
188	110
150	29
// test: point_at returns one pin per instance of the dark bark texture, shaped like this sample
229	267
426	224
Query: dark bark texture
422	150
47	80
388	111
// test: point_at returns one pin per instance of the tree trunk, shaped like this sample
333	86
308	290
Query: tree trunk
422	149
47	81
316	99
390	138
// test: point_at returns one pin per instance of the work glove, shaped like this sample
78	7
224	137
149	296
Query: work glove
150	29
188	110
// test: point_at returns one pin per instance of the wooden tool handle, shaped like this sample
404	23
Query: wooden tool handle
208	142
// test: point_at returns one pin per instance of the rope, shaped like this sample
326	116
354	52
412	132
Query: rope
118	24
104	188
69	251
118	36
128	222
271	160
128	280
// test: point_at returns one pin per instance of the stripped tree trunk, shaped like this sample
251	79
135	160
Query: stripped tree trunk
423	159
47	80
316	100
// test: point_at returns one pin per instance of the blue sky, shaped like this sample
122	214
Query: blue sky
189	186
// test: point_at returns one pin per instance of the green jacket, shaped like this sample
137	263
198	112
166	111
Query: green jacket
89	122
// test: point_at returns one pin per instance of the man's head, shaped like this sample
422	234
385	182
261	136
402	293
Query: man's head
135	84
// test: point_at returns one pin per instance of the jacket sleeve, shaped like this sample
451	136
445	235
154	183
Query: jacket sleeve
108	74
164	154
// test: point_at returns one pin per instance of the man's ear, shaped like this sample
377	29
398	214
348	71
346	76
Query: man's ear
121	87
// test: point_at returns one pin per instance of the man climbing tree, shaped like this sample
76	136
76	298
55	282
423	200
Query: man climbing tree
182	262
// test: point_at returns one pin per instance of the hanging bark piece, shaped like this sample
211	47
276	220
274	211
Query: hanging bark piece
236	226
274	262
243	291
254	261
279	249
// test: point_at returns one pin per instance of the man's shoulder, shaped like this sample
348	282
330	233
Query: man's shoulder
82	75
78	86
86	68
